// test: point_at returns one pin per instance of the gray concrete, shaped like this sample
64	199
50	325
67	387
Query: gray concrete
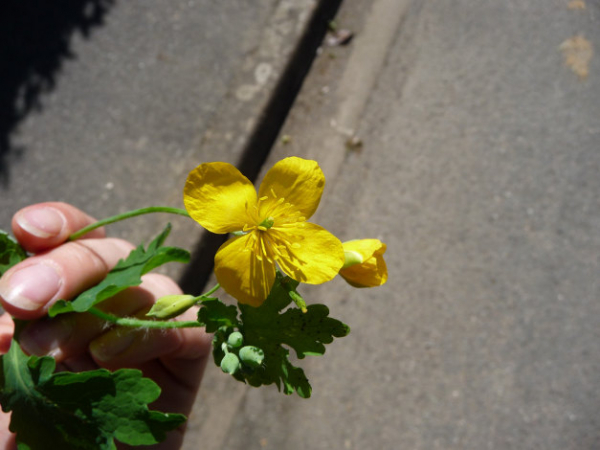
480	168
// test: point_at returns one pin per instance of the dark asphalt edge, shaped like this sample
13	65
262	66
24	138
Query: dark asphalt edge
259	140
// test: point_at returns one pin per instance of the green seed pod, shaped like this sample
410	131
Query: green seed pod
230	363
235	339
252	356
171	306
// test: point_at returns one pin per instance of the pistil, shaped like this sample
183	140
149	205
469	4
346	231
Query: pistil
266	224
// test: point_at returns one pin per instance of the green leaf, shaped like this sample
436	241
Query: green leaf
87	410
273	329
127	273
306	332
214	315
11	252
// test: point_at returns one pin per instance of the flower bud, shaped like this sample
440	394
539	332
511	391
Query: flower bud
252	356
364	265
230	363
171	306
235	339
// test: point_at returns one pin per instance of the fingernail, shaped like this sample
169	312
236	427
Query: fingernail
30	288
46	337
41	222
112	344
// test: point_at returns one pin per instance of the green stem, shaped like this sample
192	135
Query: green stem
212	291
138	323
297	298
127	215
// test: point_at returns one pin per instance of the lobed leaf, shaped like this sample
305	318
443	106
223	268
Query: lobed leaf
214	315
88	410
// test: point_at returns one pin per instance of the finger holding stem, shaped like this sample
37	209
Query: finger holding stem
127	215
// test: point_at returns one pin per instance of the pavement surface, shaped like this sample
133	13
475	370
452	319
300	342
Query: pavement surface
120	95
463	134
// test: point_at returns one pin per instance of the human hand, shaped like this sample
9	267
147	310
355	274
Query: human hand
175	359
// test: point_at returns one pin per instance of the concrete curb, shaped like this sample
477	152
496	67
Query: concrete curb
349	86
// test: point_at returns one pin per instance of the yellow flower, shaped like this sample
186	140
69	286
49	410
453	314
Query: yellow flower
222	200
364	265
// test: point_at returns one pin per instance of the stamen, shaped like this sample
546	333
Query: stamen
262	199
288	225
261	228
276	248
264	250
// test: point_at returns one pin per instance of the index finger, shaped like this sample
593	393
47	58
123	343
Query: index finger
46	225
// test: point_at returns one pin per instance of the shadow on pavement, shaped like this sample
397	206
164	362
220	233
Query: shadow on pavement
35	39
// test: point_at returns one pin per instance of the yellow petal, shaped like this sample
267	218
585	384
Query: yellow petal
308	253
218	197
298	181
372	271
241	273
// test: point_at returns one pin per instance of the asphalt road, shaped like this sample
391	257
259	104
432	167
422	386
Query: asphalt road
109	100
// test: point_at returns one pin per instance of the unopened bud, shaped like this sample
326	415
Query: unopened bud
171	306
230	363
364	265
252	356
235	339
